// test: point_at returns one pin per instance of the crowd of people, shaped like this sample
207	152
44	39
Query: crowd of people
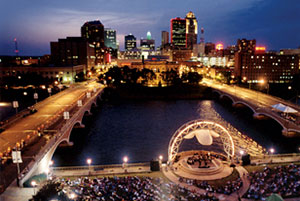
227	189
284	180
130	188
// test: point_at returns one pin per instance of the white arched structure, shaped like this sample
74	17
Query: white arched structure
200	124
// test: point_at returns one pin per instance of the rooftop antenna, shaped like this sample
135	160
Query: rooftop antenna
16	47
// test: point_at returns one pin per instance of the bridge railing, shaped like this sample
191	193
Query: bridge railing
56	137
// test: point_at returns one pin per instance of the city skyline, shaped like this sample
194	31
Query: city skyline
272	23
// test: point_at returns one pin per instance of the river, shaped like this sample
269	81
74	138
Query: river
141	130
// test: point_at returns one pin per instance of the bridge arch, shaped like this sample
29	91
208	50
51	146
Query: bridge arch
216	93
245	104
271	117
227	96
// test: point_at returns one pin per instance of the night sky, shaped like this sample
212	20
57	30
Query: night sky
273	23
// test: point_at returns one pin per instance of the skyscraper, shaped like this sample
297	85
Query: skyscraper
178	32
149	43
110	38
93	32
246	46
191	29
130	42
164	38
110	42
73	51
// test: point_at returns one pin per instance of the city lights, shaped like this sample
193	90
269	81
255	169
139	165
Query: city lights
260	48
219	46
192	111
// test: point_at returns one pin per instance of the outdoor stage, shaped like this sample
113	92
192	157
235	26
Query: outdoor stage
212	166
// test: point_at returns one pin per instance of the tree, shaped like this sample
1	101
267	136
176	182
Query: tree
50	191
192	77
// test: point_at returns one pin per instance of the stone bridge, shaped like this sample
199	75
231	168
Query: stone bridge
262	108
41	161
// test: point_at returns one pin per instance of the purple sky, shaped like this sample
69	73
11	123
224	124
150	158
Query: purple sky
274	23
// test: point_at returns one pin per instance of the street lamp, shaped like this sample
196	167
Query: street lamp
89	162
33	184
125	160
51	163
160	158
260	82
272	150
290	88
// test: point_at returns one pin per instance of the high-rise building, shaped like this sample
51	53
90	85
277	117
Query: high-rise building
191	30
178	32
93	32
253	64
246	46
73	51
164	38
110	42
110	38
130	42
209	47
269	67
148	43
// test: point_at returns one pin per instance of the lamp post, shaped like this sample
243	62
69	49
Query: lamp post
49	91
33	184
272	151
160	158
89	162
260	82
290	88
50	168
125	160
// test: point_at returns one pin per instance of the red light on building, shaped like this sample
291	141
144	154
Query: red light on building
260	48
108	58
219	46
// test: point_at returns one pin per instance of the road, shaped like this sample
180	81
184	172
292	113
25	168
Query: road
261	99
47	111
261	103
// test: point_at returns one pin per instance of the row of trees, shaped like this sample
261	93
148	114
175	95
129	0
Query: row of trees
24	79
127	75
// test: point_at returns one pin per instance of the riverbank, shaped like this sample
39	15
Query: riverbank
138	92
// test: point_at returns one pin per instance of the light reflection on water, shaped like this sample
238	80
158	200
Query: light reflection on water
142	130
